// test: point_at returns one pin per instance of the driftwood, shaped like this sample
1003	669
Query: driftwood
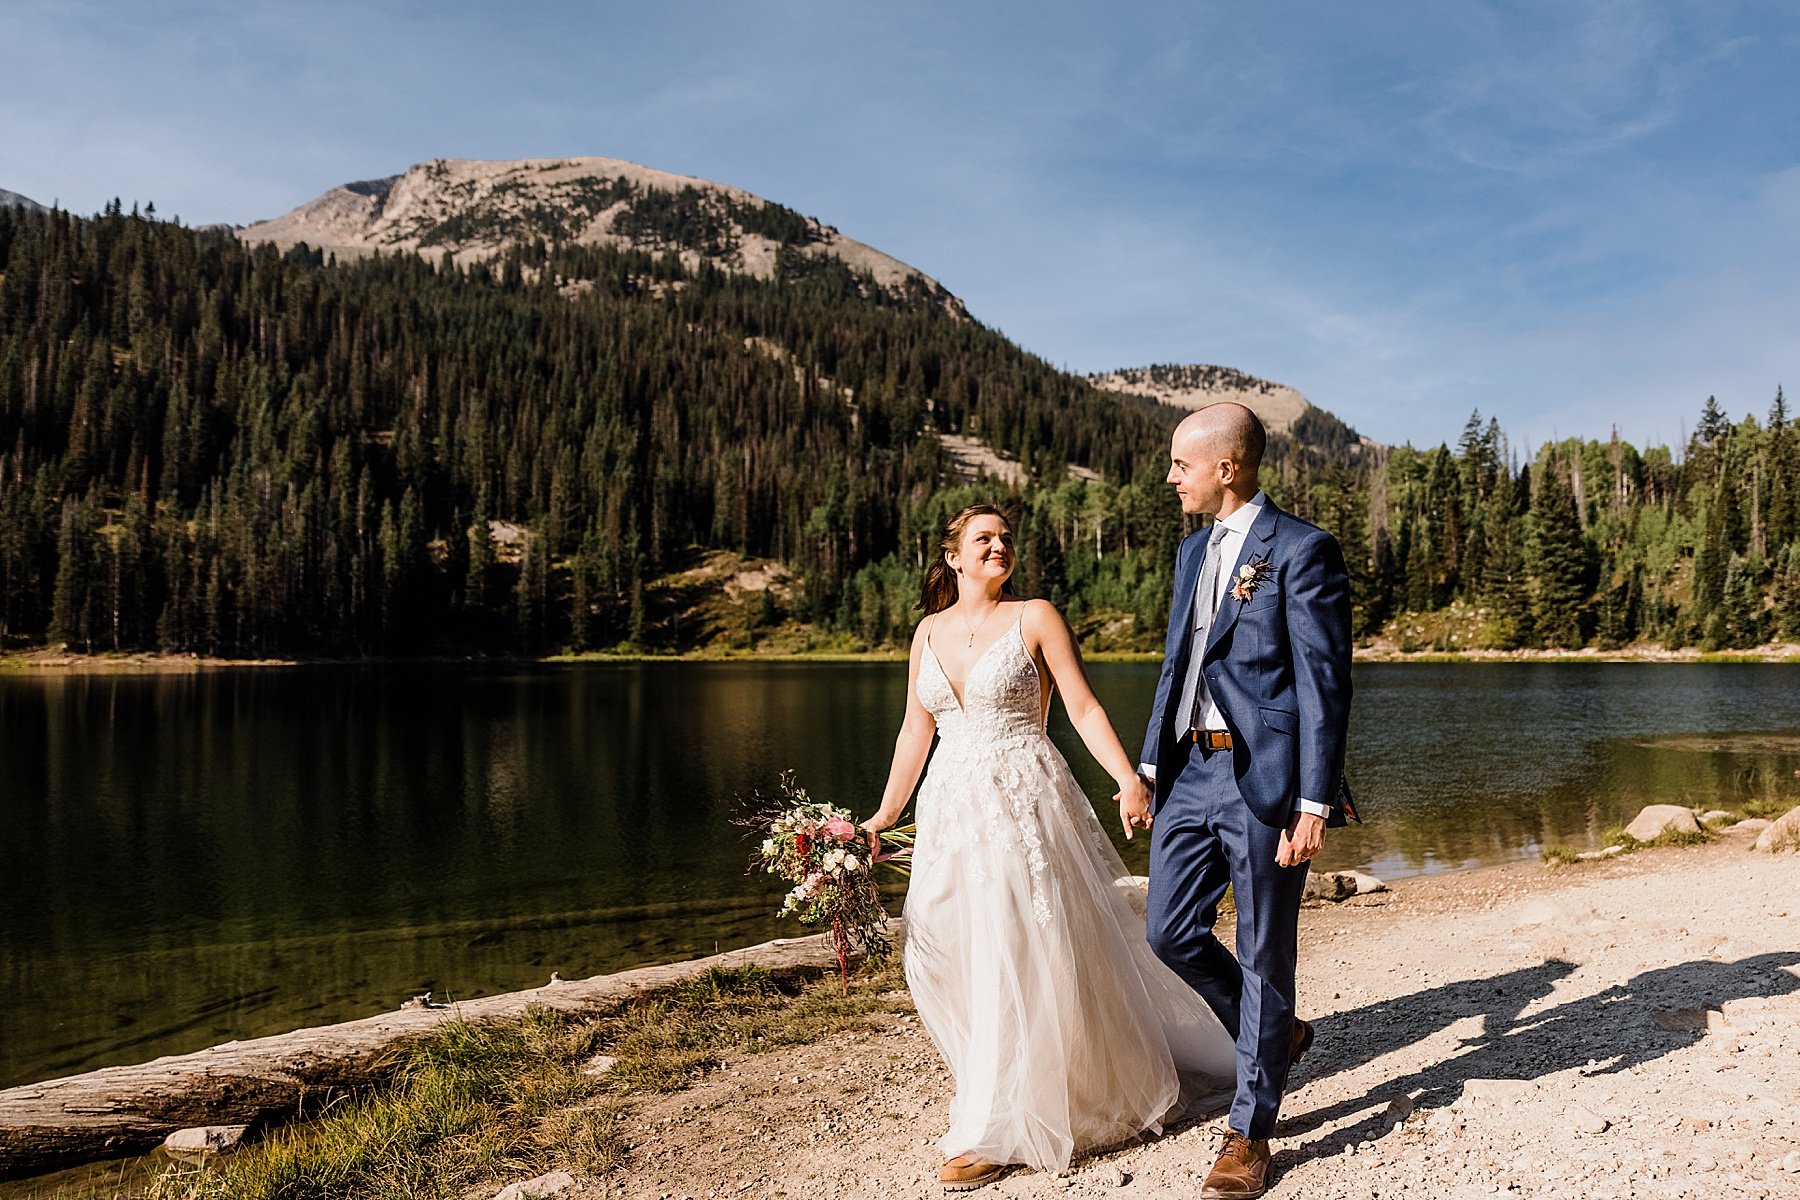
123	1110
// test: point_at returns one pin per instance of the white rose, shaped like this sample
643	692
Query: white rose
851	863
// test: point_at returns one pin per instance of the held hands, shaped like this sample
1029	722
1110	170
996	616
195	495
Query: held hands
1134	804
1302	838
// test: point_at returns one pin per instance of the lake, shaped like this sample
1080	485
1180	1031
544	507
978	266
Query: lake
191	859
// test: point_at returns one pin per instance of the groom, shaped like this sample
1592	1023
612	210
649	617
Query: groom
1245	757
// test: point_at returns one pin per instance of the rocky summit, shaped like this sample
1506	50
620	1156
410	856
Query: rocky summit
1197	385
475	209
14	200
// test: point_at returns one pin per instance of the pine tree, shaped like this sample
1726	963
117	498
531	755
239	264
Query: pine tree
1786	612
1736	624
1559	562
67	627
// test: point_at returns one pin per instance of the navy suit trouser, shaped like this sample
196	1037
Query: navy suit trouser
1204	838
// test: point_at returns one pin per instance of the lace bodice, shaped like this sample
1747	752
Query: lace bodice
1003	697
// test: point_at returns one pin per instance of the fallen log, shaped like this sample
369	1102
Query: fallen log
123	1110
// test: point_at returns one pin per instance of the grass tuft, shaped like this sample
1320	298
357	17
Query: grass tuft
1616	836
466	1103
665	1044
469	1104
1769	807
1557	856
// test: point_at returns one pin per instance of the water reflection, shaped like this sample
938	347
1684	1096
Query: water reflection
191	859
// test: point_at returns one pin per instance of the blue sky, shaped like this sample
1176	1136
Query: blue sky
1570	215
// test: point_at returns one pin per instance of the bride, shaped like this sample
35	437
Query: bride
1024	955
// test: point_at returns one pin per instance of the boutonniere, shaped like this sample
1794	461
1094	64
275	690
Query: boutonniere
1250	576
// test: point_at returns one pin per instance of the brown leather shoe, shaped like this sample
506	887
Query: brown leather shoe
1303	1040
1242	1172
965	1174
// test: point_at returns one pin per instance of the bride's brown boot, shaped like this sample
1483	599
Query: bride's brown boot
965	1174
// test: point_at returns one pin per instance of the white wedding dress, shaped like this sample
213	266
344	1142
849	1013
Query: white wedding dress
1024	953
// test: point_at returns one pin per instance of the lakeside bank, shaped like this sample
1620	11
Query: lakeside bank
1621	1028
52	662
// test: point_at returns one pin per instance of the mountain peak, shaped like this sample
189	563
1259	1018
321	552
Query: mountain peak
1197	385
474	209
14	200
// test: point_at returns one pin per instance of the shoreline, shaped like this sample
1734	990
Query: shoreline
50	663
1618	1029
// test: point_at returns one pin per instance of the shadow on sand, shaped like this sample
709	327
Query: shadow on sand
1654	1014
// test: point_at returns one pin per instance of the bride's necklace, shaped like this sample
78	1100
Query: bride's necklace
976	628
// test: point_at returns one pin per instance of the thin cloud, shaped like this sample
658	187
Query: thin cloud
1565	214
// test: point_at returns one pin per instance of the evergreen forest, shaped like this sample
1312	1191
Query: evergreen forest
220	449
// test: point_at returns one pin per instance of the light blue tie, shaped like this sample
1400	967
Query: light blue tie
1187	713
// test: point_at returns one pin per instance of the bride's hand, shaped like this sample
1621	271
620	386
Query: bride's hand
873	827
1134	805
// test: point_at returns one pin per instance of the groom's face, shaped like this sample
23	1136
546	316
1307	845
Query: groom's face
1197	471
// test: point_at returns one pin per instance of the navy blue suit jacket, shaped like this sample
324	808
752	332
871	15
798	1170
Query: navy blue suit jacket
1277	665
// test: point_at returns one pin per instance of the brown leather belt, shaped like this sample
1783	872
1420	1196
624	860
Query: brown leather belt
1212	739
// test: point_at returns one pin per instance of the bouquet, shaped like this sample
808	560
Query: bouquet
831	863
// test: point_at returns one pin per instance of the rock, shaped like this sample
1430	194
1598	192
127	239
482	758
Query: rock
1120	1177
1715	814
1783	833
1791	1162
1680	1020
1751	825
599	1065
1658	819
205	1139
1603	852
553	1184
1366	885
1329	885
1584	1120
1398	1110
1496	1093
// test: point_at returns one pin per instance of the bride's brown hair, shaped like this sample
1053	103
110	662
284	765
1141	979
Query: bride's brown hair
939	591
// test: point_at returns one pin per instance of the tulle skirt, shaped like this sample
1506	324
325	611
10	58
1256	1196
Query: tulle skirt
1026	957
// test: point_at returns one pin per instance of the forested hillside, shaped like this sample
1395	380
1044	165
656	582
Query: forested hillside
210	448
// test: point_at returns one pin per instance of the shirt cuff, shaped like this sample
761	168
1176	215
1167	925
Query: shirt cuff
1314	808
1148	771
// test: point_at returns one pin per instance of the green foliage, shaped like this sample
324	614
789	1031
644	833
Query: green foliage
467	1103
209	448
664	1044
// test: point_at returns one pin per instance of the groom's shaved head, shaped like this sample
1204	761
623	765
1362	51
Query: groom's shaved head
1223	430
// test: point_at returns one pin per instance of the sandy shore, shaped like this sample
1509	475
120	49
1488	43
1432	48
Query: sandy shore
1621	1029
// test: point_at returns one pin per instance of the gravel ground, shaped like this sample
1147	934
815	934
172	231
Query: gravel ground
1620	1029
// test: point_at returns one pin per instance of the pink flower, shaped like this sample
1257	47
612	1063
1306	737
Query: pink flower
840	829
814	882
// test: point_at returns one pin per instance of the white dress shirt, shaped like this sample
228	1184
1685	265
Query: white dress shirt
1237	528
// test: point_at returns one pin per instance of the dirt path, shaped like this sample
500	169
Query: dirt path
1627	1029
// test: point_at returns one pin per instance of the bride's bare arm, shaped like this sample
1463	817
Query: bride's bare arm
911	748
1055	647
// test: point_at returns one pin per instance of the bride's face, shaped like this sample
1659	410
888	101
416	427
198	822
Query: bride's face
986	551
